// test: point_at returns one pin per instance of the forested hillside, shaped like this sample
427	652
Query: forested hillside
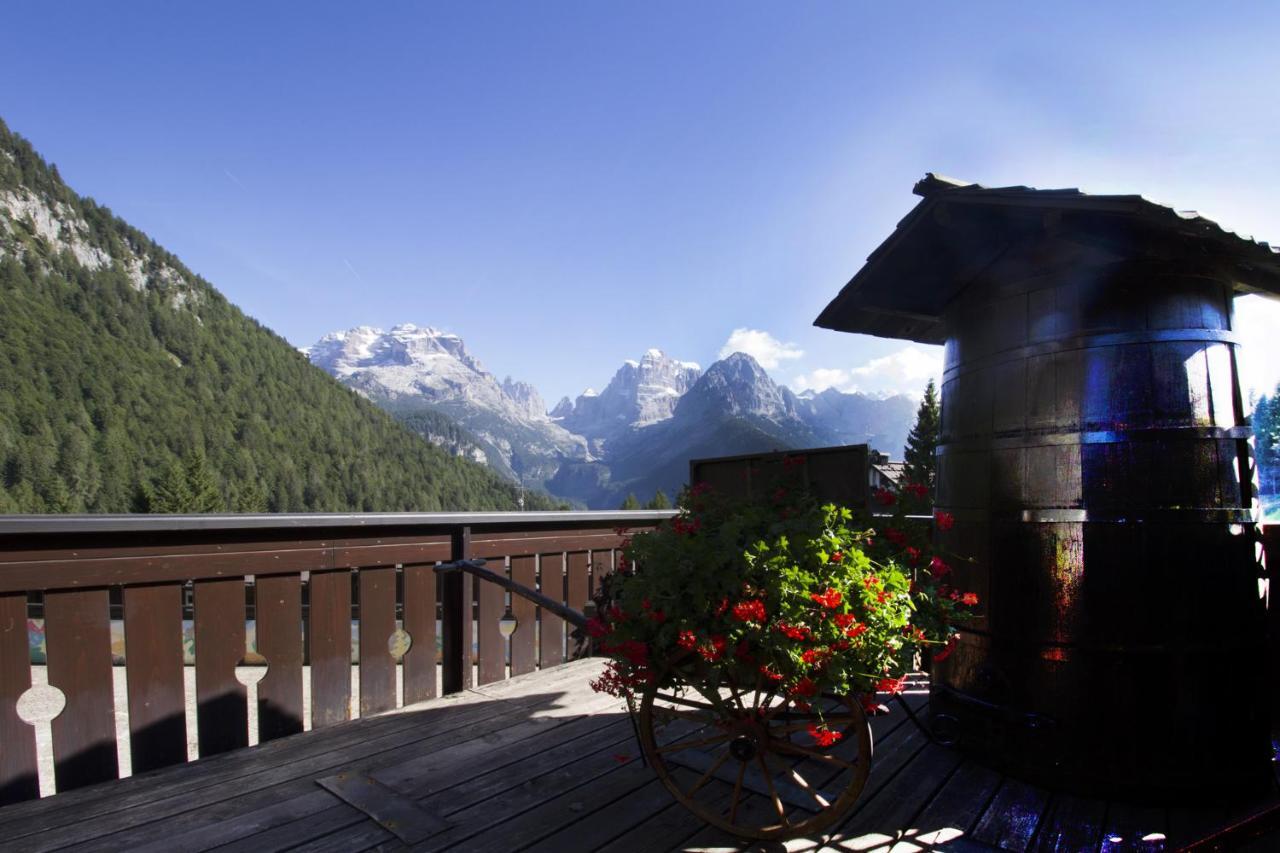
121	373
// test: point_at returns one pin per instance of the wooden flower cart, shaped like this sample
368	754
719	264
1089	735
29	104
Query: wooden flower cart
694	727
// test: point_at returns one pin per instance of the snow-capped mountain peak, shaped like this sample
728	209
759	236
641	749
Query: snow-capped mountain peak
640	393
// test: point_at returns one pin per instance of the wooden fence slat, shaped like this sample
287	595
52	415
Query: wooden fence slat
154	675
377	624
329	647
579	562
551	639
279	631
601	566
420	624
18	780
493	646
222	702
456	613
524	654
78	646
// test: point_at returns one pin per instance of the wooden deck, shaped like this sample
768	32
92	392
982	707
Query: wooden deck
539	762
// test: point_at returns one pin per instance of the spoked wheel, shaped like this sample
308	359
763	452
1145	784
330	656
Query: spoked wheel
714	748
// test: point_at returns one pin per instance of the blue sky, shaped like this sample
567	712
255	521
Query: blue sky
568	184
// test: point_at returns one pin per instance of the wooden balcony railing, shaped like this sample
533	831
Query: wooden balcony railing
303	585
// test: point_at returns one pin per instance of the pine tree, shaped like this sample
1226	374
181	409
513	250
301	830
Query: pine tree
922	442
660	501
1266	442
201	485
631	502
171	492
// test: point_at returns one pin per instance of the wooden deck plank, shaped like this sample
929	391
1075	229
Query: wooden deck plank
536	762
1133	828
143	811
1071	824
955	809
1011	820
136	790
888	815
477	779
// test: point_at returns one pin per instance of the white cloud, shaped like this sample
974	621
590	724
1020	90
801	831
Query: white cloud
761	346
902	372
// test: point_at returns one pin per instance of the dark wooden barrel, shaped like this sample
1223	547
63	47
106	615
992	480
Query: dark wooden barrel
1095	456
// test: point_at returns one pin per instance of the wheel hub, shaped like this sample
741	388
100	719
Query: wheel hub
742	748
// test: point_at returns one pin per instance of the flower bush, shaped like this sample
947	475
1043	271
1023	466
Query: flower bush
782	594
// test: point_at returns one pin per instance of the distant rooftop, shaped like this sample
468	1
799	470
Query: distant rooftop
958	230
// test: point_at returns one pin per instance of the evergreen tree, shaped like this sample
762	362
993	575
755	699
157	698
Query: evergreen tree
631	502
171	493
201	485
660	501
1266	442
922	442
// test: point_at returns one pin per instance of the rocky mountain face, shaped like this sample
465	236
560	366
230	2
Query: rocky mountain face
409	369
641	393
635	436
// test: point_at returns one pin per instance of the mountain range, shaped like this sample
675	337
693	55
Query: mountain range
120	367
636	436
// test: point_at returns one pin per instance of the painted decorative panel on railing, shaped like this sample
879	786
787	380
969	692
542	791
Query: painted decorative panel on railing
274	610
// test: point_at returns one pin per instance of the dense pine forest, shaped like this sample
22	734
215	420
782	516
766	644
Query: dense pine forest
127	383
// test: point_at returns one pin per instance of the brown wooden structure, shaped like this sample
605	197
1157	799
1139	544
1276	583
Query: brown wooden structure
307	579
533	761
1095	455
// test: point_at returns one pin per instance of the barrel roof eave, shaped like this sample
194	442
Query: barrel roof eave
879	301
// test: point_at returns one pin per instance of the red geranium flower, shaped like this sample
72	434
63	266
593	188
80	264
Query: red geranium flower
749	611
770	673
913	555
795	632
944	519
918	489
814	656
892	686
830	599
844	620
884	497
636	652
596	627
722	606
687	640
837	557
823	736
804	687
857	630
713	650
969	598
938	567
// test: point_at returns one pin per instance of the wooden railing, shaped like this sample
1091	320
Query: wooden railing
299	583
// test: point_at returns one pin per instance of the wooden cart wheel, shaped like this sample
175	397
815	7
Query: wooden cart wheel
714	748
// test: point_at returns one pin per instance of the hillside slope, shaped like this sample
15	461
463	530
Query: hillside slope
117	362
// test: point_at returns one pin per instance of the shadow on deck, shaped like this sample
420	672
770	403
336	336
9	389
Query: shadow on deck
541	763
